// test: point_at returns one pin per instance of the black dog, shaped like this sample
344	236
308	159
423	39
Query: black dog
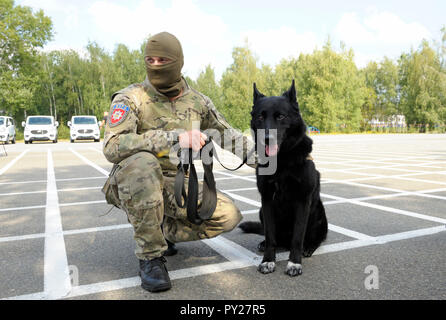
292	215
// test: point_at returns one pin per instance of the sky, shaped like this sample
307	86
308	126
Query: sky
275	29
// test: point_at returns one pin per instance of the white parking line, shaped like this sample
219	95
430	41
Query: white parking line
332	227
227	266
57	283
90	163
10	164
389	209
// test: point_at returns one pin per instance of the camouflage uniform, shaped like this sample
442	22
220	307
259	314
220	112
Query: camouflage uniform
142	180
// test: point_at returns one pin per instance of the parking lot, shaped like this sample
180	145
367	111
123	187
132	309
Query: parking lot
385	198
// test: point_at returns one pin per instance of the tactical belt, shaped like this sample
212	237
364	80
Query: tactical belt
209	201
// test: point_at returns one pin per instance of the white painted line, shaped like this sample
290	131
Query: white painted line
86	230
23	208
349	233
239	189
57	283
244	199
250	211
336	247
90	163
69	204
12	162
98	229
22	182
247	178
227	266
25	237
57	180
136	281
424	193
43	191
232	251
75	179
389	209
21	193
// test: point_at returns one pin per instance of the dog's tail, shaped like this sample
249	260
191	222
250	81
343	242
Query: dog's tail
252	227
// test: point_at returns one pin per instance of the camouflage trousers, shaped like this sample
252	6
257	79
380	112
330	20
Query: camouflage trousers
147	196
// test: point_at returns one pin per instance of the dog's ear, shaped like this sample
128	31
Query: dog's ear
257	94
291	93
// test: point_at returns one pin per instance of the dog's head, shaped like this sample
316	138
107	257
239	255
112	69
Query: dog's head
280	118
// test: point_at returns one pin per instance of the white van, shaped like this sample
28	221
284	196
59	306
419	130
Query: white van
40	128
7	129
84	128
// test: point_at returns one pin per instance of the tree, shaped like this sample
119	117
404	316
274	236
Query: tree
237	87
207	85
331	89
423	87
22	32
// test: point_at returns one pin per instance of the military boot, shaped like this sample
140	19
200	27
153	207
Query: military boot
154	275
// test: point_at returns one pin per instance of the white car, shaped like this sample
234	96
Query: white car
40	128
7	129
84	128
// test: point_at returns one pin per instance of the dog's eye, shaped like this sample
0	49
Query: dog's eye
280	117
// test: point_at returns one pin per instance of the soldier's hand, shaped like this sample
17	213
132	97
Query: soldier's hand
192	139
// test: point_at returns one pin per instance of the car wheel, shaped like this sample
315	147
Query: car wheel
97	140
71	140
30	141
7	140
55	141
13	140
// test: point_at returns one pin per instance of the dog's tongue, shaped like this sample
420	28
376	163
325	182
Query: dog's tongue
271	150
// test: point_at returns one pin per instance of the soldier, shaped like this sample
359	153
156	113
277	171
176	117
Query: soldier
141	127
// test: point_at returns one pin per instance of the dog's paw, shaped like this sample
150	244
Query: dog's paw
293	269
267	267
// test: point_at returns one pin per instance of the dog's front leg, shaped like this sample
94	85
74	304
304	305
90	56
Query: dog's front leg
268	264
294	267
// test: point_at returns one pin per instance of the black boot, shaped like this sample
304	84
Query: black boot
154	275
171	249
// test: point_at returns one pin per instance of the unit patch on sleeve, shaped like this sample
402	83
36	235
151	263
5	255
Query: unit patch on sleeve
118	114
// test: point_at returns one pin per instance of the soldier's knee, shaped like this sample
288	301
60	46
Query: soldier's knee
227	214
234	217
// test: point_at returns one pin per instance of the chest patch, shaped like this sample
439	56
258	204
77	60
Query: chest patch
118	114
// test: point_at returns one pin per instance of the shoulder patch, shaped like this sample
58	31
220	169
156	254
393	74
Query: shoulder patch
118	114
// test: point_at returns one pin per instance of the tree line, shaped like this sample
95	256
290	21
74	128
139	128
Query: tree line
334	94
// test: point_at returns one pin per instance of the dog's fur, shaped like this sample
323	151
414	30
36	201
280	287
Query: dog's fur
292	215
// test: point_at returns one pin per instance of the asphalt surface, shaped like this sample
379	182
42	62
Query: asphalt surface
385	198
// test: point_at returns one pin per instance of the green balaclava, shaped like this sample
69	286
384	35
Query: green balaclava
165	78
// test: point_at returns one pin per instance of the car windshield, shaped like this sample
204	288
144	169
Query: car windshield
39	120
84	120
2	121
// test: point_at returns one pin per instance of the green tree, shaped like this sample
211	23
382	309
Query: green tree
207	85
423	87
237	87
331	90
22	32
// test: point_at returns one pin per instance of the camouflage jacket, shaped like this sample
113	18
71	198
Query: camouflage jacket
142	119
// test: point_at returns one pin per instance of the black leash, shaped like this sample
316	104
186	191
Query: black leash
209	201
